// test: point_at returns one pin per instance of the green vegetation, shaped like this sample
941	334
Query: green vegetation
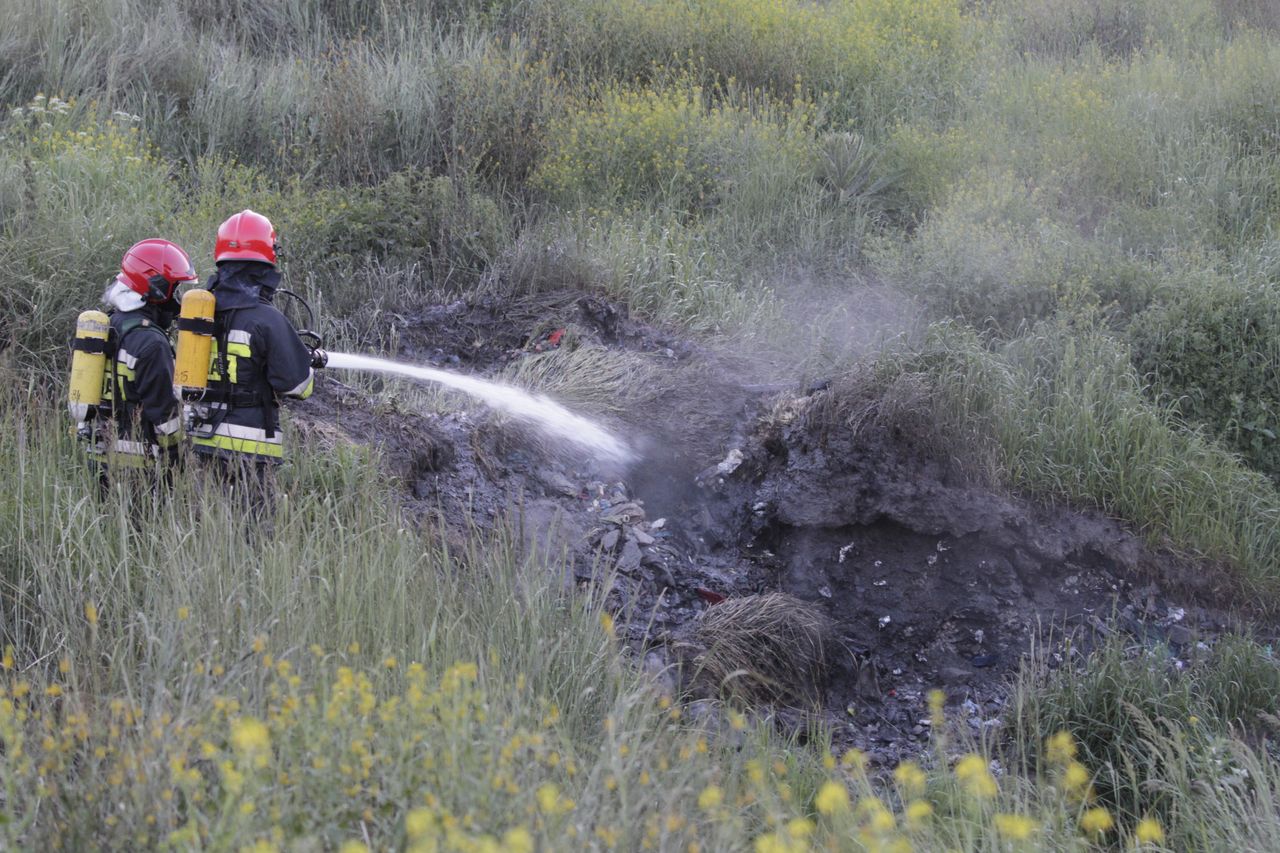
1079	197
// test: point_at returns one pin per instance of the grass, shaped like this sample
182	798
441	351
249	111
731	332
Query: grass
170	681
1077	203
770	647
1065	416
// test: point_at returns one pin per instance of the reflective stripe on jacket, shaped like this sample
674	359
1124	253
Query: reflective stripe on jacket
264	360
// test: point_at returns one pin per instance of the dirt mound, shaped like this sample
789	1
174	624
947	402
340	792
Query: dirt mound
844	497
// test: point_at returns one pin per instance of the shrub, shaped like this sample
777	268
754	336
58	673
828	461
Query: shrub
78	191
878	60
678	146
1213	350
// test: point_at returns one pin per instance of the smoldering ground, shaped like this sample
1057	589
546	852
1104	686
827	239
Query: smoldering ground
824	483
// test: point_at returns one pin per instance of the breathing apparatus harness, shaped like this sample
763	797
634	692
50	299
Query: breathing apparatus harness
208	407
94	351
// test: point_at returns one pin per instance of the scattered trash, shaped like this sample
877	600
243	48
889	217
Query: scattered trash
550	342
710	597
824	591
844	552
885	620
1176	614
879	583
983	661
730	463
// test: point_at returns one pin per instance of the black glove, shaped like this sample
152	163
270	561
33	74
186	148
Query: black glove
319	358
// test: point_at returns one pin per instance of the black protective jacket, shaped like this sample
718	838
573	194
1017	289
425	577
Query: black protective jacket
140	417
257	358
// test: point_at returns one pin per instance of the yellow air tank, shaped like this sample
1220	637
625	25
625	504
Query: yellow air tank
195	343
88	363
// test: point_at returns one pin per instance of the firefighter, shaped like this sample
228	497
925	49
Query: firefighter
257	358
135	419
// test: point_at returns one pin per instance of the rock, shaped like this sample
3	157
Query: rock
610	540
556	482
641	537
662	672
868	684
629	560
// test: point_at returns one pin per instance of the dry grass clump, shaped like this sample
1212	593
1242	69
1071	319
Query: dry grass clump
764	648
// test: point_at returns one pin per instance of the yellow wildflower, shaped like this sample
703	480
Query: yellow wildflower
973	772
876	815
1096	821
1075	781
1060	747
800	827
832	798
910	777
1148	831
418	822
710	798
855	758
184	613
1015	827
936	700
91	613
353	847
550	801
917	812
517	840
250	736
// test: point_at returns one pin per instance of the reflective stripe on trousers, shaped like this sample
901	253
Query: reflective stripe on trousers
243	439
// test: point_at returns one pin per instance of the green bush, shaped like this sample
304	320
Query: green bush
680	146
878	60
1213	350
76	193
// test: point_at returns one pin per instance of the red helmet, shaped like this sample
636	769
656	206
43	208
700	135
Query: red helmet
246	236
153	268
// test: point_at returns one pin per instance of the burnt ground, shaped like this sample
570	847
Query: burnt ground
932	577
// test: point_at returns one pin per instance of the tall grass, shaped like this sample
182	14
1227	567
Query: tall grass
1164	740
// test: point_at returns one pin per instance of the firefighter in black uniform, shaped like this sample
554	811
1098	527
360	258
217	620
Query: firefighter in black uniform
257	358
139	420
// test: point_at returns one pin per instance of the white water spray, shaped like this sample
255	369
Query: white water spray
545	414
